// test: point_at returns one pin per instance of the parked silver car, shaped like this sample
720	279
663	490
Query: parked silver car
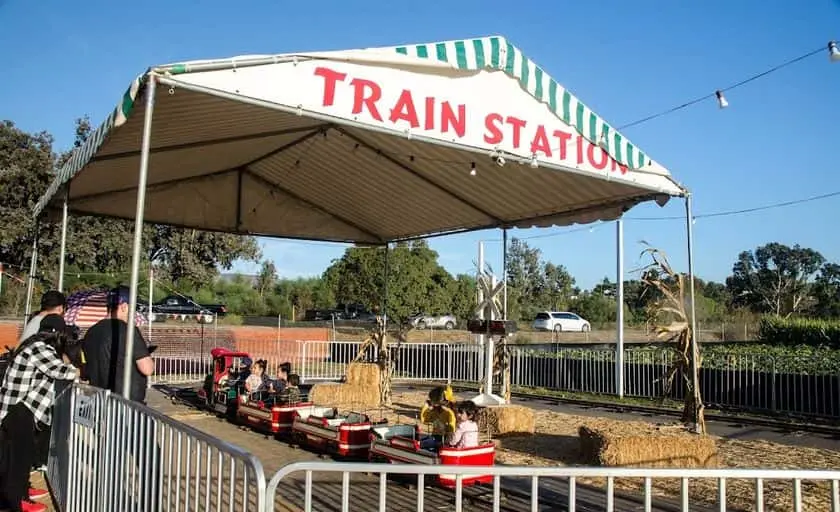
447	322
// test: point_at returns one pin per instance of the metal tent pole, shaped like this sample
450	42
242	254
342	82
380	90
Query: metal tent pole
138	232
619	308
149	312
695	377
504	273
63	250
33	266
385	285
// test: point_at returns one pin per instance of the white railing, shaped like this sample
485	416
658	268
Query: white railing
532	482
111	454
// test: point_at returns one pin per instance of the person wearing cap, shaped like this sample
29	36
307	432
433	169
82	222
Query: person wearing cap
26	400
104	348
52	303
105	352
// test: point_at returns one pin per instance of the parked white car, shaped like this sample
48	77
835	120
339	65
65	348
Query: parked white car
447	322
559	321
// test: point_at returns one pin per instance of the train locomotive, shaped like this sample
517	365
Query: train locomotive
351	435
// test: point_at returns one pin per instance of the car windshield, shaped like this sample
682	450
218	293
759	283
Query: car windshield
542	316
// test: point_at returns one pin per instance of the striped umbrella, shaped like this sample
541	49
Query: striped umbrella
85	308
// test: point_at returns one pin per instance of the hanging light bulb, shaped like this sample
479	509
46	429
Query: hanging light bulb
722	103
534	163
472	169
833	52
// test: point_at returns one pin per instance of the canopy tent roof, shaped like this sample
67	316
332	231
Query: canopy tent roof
365	146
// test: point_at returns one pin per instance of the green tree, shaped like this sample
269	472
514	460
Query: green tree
774	278
526	280
417	283
557	288
827	291
463	291
267	278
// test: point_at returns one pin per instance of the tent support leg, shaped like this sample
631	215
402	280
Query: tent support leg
62	252
695	376
138	231
619	308
33	266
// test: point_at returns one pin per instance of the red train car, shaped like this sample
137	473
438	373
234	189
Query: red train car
268	416
324	429
406	445
221	387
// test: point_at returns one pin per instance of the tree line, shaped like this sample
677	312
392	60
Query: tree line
772	279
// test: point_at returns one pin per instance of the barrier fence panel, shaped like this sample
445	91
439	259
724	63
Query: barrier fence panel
119	455
542	488
73	467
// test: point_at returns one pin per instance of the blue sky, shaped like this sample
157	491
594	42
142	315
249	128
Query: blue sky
777	141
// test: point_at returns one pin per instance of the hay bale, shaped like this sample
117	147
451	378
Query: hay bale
639	445
506	419
344	396
363	374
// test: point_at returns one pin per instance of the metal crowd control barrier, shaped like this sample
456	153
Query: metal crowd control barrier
532	481
111	454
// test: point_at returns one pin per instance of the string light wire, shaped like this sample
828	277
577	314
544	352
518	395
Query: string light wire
713	94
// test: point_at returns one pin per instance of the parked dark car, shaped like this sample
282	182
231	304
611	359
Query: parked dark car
186	306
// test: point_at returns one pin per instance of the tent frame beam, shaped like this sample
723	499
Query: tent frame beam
378	239
205	143
189	179
418	175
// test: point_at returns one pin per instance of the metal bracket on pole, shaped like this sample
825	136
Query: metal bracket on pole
151	85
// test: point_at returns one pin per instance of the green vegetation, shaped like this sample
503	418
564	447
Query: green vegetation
800	331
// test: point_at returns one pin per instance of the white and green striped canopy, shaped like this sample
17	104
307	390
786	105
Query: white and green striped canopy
238	145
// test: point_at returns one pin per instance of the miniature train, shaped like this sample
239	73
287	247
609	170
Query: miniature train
353	435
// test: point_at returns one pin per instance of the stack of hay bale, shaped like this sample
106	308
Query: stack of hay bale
360	389
644	445
506	420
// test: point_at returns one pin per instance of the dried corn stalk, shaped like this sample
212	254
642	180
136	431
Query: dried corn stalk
671	323
501	364
378	339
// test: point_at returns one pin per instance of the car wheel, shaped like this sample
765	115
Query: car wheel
558	328
421	325
449	326
585	328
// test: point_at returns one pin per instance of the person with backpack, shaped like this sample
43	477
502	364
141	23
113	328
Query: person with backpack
26	400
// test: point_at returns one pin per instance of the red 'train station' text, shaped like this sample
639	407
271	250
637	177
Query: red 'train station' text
433	114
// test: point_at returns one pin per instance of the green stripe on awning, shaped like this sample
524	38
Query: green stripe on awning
478	46
495	52
440	50
552	96
461	55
